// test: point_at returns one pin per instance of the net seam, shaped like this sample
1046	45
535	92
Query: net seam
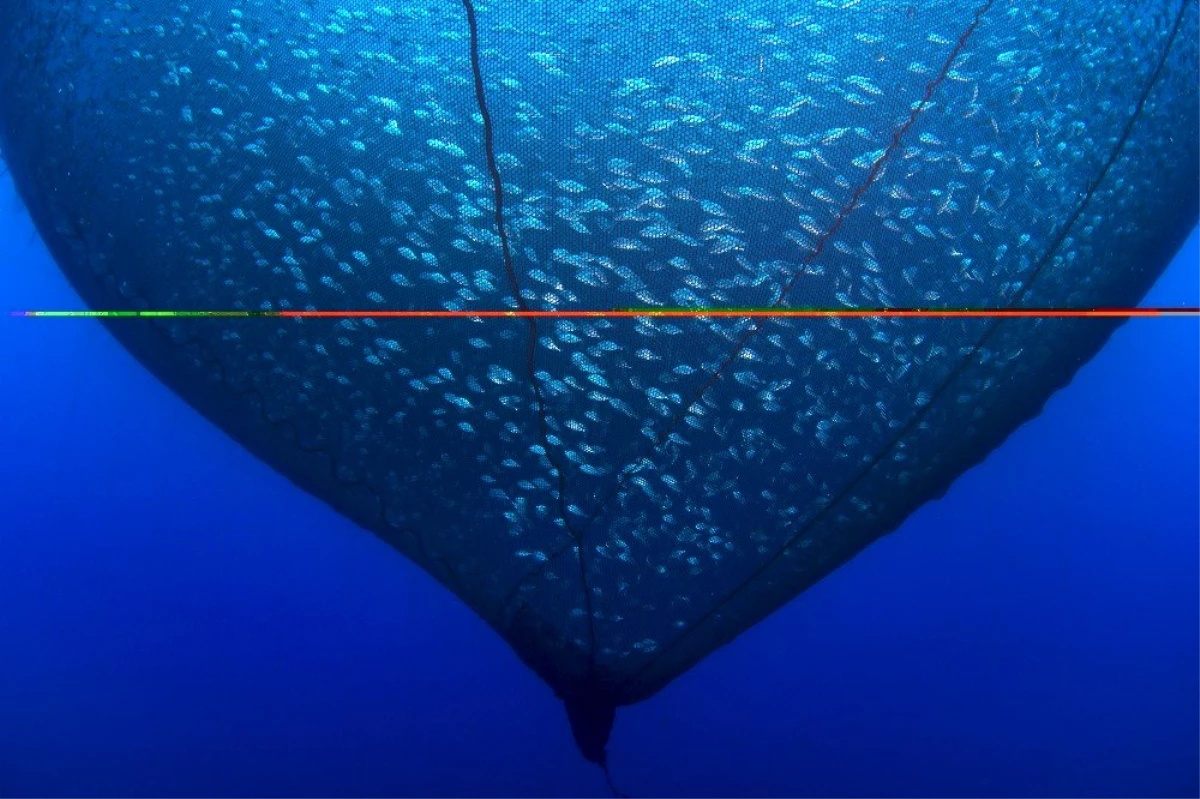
619	485
531	323
955	373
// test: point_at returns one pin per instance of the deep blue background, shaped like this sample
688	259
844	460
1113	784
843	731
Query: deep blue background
175	618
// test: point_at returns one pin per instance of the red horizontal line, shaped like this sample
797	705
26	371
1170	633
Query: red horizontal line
641	313
744	313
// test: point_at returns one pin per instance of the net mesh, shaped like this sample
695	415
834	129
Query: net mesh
616	497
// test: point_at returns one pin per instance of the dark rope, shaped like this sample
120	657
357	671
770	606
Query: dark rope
994	325
531	323
608	779
490	149
756	326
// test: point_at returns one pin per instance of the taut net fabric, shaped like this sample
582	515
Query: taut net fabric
617	497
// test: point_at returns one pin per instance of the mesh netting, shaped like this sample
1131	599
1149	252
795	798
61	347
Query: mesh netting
617	497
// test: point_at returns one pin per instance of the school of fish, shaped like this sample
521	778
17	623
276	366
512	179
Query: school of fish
617	497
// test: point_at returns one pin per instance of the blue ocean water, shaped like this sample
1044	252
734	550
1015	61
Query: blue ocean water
178	619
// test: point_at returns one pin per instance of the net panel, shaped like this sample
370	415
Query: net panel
616	497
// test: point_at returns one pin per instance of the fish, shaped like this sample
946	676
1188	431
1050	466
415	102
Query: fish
616	496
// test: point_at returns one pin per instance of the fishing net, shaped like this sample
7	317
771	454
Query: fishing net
617	496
